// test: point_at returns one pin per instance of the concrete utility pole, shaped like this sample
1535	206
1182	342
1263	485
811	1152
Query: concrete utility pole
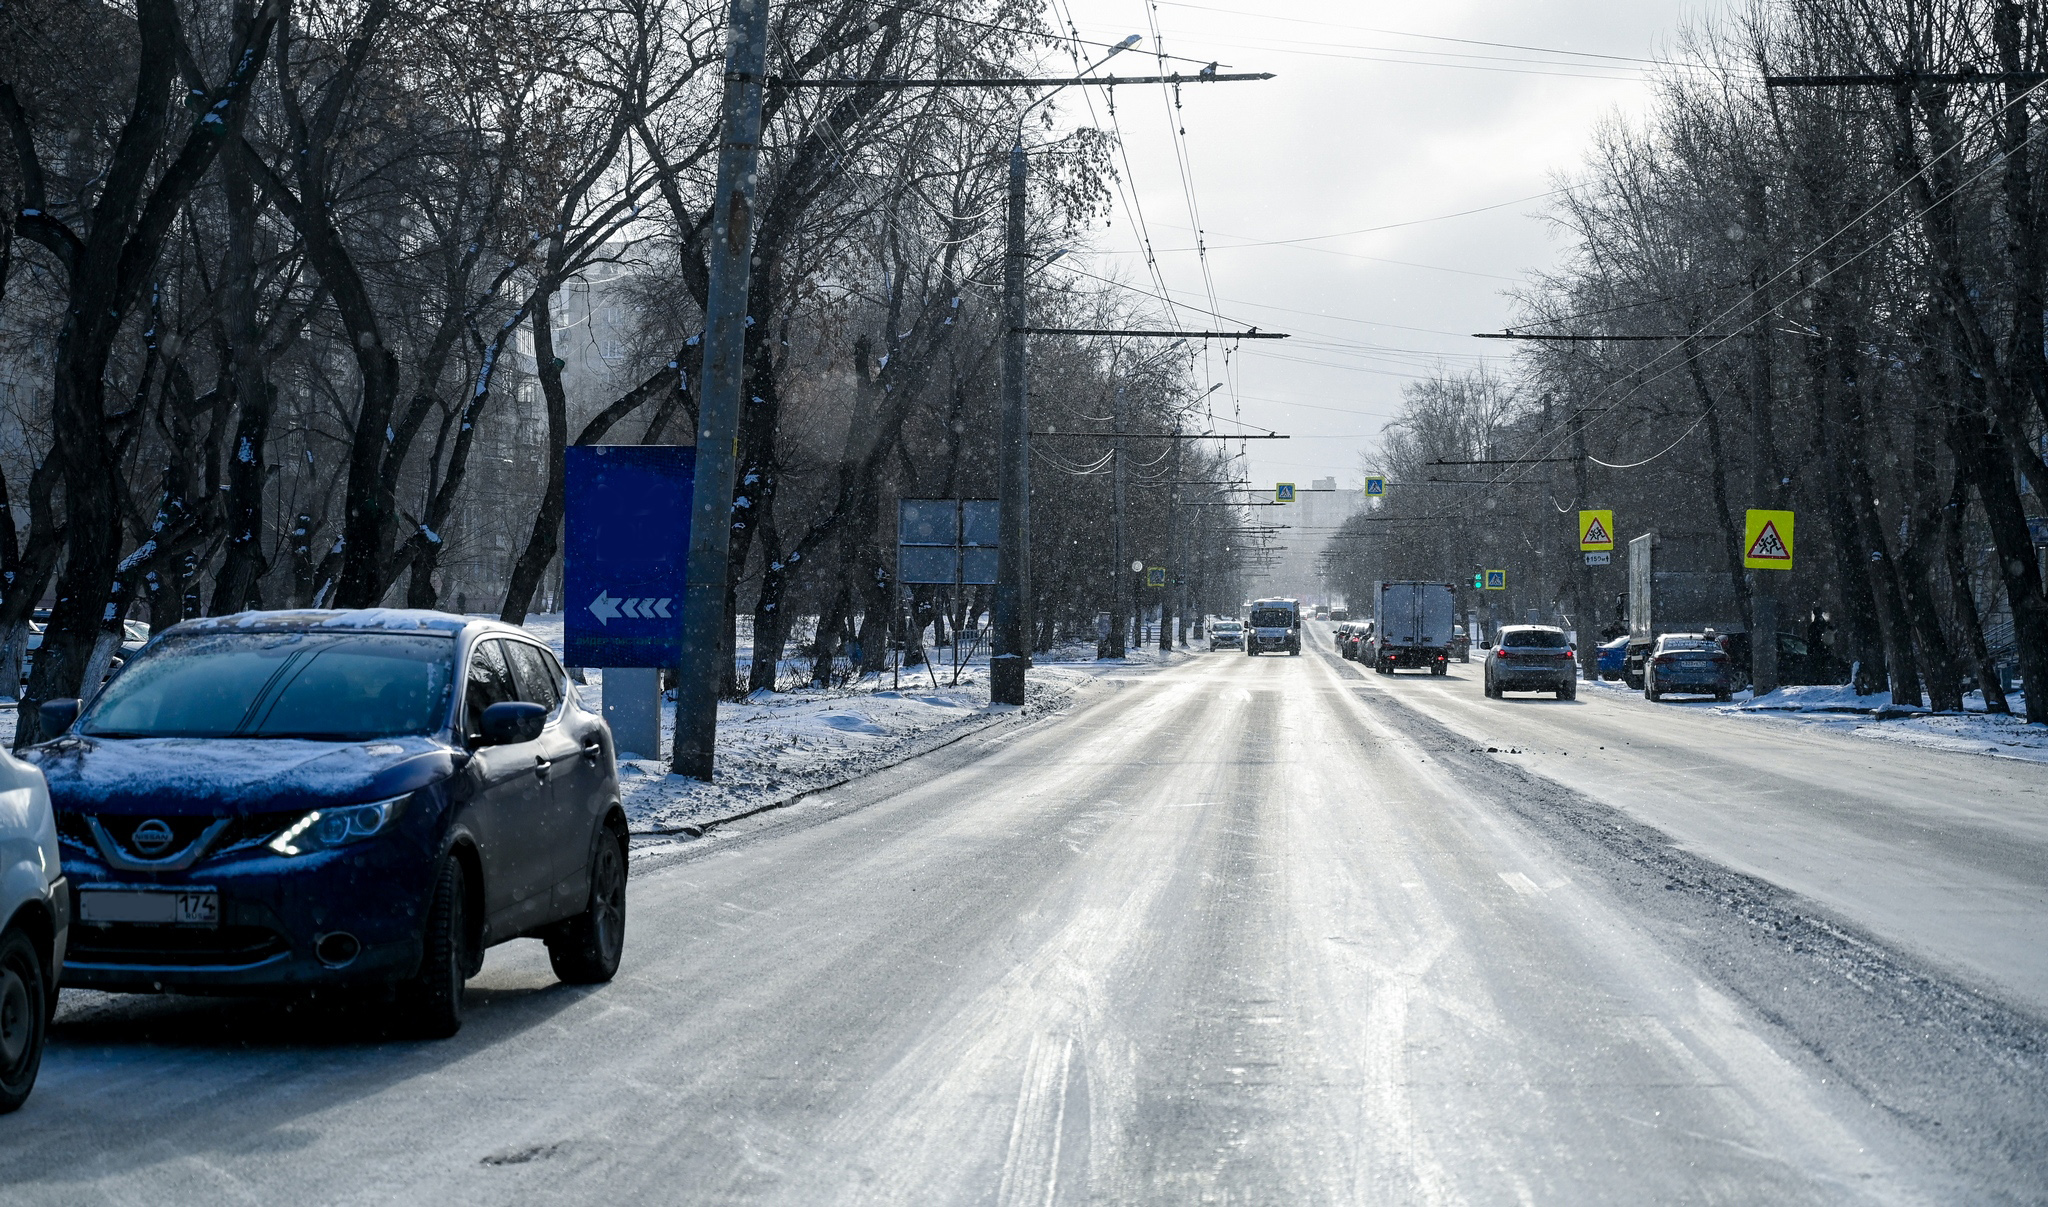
1119	574
1010	643
725	348
1168	599
1589	612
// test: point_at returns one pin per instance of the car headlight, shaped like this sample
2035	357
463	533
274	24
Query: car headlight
325	828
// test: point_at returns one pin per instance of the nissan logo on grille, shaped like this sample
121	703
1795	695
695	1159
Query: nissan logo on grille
151	836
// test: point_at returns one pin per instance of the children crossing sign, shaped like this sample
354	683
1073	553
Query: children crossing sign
1596	532
1767	540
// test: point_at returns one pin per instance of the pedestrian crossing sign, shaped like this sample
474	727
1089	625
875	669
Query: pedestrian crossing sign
1283	492
1767	540
1596	531
1155	576
1496	580
1375	486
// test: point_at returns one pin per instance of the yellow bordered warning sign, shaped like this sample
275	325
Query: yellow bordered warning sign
1283	492
1596	531
1496	580
1767	540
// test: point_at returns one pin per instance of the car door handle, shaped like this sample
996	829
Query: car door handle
541	766
593	751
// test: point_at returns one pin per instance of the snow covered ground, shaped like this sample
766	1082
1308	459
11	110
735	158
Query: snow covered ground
774	747
1840	710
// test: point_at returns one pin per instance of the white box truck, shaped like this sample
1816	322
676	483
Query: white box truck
1412	626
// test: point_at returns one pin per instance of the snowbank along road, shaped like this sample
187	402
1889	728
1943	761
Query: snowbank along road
1241	931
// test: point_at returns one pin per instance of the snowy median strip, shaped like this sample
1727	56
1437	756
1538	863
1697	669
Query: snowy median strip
1875	716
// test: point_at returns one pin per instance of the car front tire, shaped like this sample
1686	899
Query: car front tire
433	999
24	1017
586	949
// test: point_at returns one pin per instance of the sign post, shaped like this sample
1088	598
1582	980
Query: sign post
623	561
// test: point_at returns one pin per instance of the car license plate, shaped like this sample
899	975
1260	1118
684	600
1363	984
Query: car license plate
153	908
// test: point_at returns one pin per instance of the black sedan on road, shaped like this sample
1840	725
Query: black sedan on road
1688	662
1532	658
325	800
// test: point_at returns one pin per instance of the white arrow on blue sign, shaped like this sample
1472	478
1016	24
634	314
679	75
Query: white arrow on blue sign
607	609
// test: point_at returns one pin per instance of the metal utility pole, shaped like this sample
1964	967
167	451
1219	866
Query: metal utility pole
1010	643
725	347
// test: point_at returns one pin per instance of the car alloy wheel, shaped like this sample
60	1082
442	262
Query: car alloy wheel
585	950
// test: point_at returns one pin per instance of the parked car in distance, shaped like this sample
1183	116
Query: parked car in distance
1532	658
35	911
1226	635
285	801
1687	662
1340	613
1461	644
1614	658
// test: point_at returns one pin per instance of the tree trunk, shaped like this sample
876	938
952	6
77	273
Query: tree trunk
545	539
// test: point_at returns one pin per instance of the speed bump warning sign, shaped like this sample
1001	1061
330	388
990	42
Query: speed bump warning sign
1596	531
1767	540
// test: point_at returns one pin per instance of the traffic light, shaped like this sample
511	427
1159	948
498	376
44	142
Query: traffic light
1479	580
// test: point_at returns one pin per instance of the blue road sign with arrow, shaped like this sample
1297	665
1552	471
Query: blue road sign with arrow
625	549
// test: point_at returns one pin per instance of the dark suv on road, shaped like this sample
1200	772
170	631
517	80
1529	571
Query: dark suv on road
308	800
1532	658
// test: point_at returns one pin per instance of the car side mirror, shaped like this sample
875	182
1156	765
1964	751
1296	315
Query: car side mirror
57	715
1486	645
512	721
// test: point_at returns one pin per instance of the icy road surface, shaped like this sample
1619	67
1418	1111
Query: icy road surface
1240	931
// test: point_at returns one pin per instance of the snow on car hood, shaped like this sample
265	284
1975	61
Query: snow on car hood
226	776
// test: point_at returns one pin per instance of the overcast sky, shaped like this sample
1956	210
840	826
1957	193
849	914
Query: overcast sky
1379	115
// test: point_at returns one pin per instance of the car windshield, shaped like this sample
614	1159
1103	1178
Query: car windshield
1548	639
1272	618
328	686
1228	626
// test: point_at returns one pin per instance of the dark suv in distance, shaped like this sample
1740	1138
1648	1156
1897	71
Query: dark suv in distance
314	800
1532	658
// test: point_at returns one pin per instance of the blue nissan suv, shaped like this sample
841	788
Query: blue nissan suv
335	799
